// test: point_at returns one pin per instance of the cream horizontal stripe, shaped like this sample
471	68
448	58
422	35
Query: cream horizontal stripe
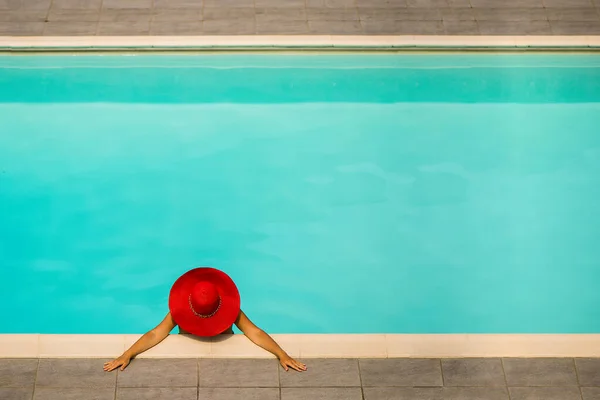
212	42
309	346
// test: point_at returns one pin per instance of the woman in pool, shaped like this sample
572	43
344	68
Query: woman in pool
205	302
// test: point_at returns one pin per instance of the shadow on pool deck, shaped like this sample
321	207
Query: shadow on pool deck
331	379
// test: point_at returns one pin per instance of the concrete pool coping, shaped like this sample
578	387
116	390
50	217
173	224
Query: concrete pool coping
327	42
309	346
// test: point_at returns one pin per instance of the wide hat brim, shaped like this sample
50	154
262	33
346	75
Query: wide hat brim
184	316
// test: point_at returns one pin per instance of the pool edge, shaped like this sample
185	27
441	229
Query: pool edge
309	346
305	345
405	42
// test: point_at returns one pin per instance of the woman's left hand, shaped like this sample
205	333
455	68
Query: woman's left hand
288	362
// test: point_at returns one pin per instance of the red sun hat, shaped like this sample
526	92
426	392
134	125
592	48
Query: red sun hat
204	302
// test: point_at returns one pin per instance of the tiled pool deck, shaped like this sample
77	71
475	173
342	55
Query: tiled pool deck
349	367
298	17
326	379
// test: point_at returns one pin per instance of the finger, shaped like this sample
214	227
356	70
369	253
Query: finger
291	364
296	367
301	366
114	366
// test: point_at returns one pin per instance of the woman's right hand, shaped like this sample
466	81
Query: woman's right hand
148	340
122	362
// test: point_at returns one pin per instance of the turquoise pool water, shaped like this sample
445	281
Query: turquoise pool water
343	193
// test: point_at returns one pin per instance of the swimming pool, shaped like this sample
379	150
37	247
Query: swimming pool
343	193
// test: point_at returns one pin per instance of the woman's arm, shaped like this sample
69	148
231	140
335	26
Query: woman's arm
147	341
262	339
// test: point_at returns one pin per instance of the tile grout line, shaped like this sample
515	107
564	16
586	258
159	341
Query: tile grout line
46	19
505	380
362	389
116	382
360	22
130	386
550	23
48	13
151	10
278	379
202	11
307	24
97	32
476	23
577	377
37	370
255	19
442	373
202	19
